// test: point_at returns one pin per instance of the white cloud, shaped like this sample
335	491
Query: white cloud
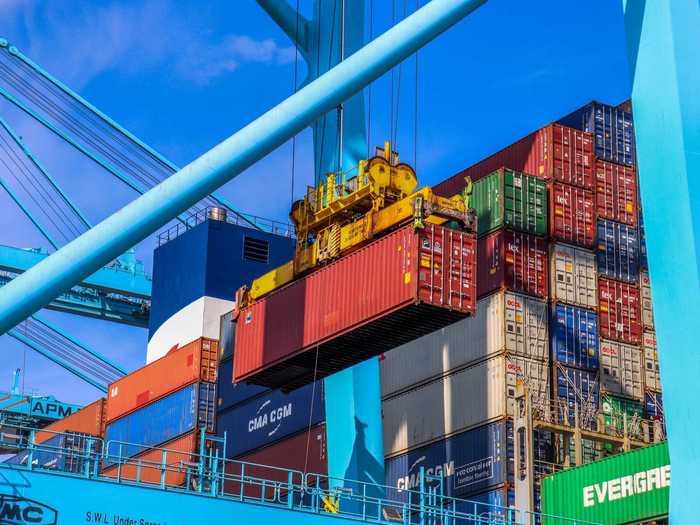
91	40
203	61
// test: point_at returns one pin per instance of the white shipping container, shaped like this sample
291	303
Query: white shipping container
652	377
504	321
464	399
647	309
621	369
573	276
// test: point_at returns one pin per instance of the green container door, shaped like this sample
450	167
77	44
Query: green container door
512	199
627	488
614	411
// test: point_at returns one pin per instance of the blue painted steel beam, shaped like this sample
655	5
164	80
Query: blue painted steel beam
107	240
663	44
88	302
14	52
113	293
319	42
111	278
70	354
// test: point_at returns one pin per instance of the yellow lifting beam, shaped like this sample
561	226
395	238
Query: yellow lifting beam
342	214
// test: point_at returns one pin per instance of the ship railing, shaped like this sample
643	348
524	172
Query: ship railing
426	504
588	416
245	220
184	471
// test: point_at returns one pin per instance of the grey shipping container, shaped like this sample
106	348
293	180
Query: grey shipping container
504	321
270	417
652	376
647	307
621	369
573	274
464	399
163	420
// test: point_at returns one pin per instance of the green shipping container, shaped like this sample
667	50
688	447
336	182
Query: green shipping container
615	408
512	199
628	488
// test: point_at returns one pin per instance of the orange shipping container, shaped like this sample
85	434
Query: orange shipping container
88	420
196	361
180	457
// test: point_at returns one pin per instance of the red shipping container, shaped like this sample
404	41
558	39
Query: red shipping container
196	361
620	311
616	192
391	291
514	261
554	152
304	452
572	214
88	420
181	457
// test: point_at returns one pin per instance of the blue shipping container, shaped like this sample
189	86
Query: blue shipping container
62	452
469	463
230	394
574	333
643	262
653	406
271	417
618	251
490	506
163	420
612	129
578	388
226	335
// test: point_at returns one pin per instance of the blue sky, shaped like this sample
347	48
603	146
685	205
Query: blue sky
185	75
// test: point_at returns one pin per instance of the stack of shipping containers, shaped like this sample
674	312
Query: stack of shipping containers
448	397
269	427
163	405
65	441
563	308
622	377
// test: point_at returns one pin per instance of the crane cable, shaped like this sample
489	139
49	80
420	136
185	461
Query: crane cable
369	88
294	90
415	110
330	58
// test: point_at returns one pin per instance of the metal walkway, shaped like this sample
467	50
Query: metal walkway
74	478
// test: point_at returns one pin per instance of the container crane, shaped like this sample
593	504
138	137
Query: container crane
662	44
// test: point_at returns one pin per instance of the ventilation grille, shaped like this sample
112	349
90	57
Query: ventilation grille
256	250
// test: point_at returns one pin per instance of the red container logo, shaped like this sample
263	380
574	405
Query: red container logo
620	312
514	261
572	215
616	192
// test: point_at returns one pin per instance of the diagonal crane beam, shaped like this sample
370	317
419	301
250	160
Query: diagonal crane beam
86	254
